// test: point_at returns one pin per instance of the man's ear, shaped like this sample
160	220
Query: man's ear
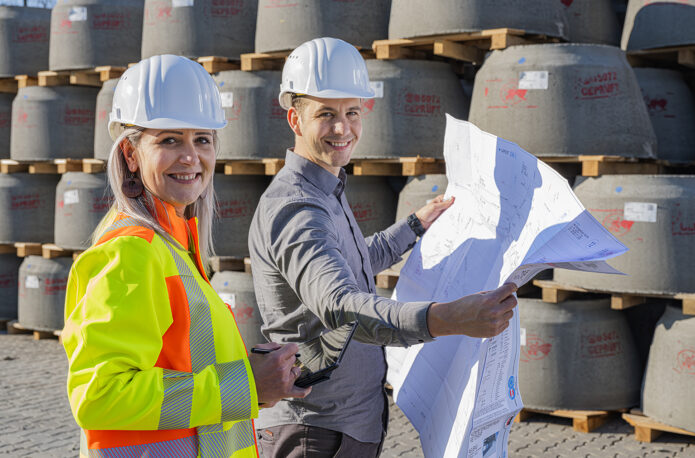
129	155
294	120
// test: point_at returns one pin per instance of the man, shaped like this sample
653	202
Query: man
313	269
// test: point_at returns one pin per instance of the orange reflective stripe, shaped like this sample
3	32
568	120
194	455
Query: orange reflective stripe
176	350
193	226
97	439
171	222
135	231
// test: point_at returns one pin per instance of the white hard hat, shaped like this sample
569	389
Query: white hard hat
324	67
166	92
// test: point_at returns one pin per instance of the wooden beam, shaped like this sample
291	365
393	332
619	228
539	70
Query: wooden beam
446	48
625	301
686	57
49	78
555	295
689	306
8	85
26	81
85	79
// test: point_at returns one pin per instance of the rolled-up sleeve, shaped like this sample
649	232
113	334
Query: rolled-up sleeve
387	247
304	247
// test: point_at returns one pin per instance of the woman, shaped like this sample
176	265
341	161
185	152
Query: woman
157	365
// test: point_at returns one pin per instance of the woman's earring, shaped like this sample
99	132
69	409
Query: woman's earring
132	186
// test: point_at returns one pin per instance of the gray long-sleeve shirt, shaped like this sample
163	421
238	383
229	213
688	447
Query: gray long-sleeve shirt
313	270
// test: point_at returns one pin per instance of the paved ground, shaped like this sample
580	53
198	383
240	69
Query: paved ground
35	419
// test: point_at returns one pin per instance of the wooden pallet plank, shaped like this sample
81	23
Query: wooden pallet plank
647	430
7	248
68	165
689	306
421	166
8	85
453	50
233	263
52	251
686	57
263	61
387	279
12	166
377	167
584	421
26	81
273	166
25	249
625	301
51	78
93	166
215	64
244	168
594	168
14	328
108	72
44	167
85	78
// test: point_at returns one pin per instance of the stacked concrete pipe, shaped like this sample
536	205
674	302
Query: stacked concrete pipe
236	290
82	200
373	203
102	138
27	205
563	100
24	37
195	28
42	285
576	355
658	24
285	24
5	124
90	33
592	21
9	275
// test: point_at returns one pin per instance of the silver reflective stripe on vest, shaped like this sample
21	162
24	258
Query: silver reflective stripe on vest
225	443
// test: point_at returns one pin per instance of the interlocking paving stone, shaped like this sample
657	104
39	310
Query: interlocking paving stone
35	418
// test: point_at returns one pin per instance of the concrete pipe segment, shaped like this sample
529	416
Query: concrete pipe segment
654	216
412	18
669	381
82	200
286	24
53	123
407	116
592	21
563	100
256	123
237	199
196	28
236	290
24	37
576	355
27	206
42	284
671	107
658	24
9	270
373	203
5	124
102	139
90	33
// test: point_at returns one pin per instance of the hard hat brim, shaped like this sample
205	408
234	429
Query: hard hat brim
285	98
116	127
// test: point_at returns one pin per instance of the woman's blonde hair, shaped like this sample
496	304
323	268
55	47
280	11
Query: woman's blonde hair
141	208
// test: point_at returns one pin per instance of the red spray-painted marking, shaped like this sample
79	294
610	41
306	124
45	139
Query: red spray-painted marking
599	86
685	362
364	211
226	8
535	349
243	313
235	208
418	104
30	33
368	106
25	202
601	345
614	221
567	3
682	225
276	111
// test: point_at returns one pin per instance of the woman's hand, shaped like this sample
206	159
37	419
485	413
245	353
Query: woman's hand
275	374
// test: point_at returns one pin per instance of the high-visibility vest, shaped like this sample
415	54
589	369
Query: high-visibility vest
157	364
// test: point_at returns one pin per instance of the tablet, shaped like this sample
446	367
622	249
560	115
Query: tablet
322	355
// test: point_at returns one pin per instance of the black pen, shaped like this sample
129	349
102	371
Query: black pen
265	351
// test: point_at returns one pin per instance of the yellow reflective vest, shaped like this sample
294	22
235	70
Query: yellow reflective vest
157	364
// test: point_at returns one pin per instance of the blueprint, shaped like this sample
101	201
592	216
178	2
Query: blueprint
513	216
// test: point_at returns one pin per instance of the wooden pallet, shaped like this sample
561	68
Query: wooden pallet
252	166
93	166
276	60
13	327
593	166
24	249
681	55
52	251
214	64
468	46
87	77
647	430
53	166
583	421
233	263
387	279
403	166
8	85
554	292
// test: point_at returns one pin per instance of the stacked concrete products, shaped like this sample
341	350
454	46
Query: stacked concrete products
407	116
654	216
563	100
576	355
256	123
236	290
237	199
24	36
102	139
658	23
5	124
27	204
592	21
668	382
410	18
53	122
195	28
671	107
90	33
42	284
285	24
373	203
9	269
82	200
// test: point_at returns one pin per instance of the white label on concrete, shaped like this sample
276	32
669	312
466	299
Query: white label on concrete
522	334
182	3
640	211
227	99
378	88
32	282
78	13
533	80
71	197
229	299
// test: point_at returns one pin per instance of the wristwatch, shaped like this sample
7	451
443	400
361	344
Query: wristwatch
415	225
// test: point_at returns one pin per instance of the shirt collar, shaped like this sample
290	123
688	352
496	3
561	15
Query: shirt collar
315	174
176	226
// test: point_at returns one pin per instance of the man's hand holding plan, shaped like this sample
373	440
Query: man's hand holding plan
513	217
